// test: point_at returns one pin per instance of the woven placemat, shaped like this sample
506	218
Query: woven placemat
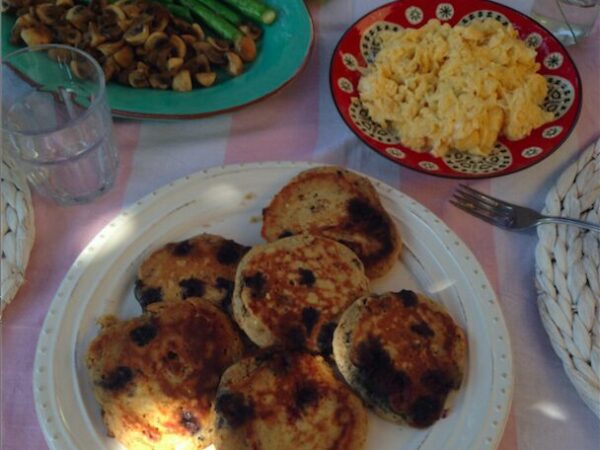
568	275
18	228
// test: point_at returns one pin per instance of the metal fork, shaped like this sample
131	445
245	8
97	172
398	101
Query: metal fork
507	215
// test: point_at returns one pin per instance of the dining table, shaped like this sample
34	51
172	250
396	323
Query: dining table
301	123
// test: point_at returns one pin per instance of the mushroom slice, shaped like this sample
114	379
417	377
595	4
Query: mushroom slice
143	67
235	66
138	79
36	35
111	32
79	16
213	55
110	69
68	34
132	10
22	22
48	13
118	12
198	31
96	38
252	31
183	27
160	80
124	56
125	24
161	18
178	45
220	45
182	81
206	79
138	33
110	48
246	49
155	41
198	63
81	68
173	64
189	39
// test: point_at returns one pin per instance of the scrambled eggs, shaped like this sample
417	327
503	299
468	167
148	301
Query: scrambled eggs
441	87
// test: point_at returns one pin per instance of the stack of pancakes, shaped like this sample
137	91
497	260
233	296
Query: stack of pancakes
281	345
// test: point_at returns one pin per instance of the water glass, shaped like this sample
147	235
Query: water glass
58	123
569	20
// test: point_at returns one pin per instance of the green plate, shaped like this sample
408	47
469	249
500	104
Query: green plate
283	52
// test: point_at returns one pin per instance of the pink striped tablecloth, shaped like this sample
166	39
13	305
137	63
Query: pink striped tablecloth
301	123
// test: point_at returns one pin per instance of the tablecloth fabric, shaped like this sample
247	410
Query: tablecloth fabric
301	124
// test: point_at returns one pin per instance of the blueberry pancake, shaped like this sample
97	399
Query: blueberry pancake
403	354
287	401
202	267
291	292
156	376
338	204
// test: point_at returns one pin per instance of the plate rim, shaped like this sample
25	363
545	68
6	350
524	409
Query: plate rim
502	386
458	175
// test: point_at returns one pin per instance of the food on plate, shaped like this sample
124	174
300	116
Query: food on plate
203	267
338	204
403	354
441	88
156	376
180	375
290	292
143	43
278	401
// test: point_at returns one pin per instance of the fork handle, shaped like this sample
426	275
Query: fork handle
567	221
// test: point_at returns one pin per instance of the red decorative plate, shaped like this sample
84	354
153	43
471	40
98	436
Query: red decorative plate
359	45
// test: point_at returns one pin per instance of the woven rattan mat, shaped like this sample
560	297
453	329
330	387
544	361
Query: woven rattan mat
568	275
18	230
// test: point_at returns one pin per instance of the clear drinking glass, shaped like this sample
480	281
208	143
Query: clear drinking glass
57	120
569	20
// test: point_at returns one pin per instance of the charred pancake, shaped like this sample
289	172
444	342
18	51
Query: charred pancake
403	354
291	292
338	204
292	401
202	267
156	376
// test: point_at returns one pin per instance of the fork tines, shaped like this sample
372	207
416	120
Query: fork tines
480	205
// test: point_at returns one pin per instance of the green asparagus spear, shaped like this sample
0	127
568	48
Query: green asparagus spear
223	11
255	10
217	23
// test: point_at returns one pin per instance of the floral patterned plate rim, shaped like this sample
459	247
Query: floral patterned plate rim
358	46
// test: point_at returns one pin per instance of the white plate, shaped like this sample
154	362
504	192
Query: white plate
228	201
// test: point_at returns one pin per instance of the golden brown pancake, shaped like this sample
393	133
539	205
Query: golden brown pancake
202	267
293	401
338	204
291	292
155	376
402	353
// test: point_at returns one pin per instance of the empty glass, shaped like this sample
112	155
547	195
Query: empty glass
569	20
57	120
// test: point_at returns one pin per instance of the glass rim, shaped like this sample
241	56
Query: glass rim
93	105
